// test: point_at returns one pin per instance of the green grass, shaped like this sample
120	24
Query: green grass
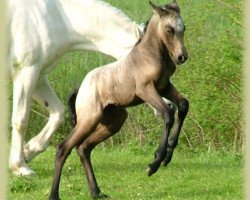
121	174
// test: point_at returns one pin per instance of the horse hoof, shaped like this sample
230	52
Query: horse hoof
166	161
101	196
150	171
24	172
54	198
29	154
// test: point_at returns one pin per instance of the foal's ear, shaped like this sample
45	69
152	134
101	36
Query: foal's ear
175	6
159	10
172	6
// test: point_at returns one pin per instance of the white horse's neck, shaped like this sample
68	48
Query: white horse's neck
99	27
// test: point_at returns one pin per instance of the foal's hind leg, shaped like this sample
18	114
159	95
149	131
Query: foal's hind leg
23	86
183	105
45	95
77	136
110	124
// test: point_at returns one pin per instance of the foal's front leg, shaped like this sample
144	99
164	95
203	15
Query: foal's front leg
183	105
149	94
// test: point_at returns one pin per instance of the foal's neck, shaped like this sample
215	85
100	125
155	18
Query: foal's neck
152	45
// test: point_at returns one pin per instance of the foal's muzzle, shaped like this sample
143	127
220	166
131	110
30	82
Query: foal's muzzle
182	59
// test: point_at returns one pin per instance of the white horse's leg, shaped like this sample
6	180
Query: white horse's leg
45	95
23	85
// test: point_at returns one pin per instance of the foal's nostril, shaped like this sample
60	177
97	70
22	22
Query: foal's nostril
182	58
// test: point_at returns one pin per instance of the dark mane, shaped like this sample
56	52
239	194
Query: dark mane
144	32
146	26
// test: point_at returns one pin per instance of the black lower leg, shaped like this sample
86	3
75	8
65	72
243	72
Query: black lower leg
61	156
89	172
161	152
173	139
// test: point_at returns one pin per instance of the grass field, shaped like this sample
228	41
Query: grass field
121	174
208	162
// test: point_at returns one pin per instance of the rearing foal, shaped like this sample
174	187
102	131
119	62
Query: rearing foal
142	76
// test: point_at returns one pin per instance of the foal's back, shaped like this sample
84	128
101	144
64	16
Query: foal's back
110	84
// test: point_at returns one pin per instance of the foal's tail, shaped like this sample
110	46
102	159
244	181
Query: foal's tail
72	109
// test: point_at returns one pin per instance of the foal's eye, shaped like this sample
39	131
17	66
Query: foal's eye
170	30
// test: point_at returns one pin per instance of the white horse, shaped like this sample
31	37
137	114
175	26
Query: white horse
41	32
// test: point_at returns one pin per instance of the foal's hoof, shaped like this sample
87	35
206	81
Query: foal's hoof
150	170
166	161
101	196
54	198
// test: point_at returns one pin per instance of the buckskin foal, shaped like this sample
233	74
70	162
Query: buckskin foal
142	76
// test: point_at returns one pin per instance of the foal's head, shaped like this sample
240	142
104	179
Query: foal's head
171	30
